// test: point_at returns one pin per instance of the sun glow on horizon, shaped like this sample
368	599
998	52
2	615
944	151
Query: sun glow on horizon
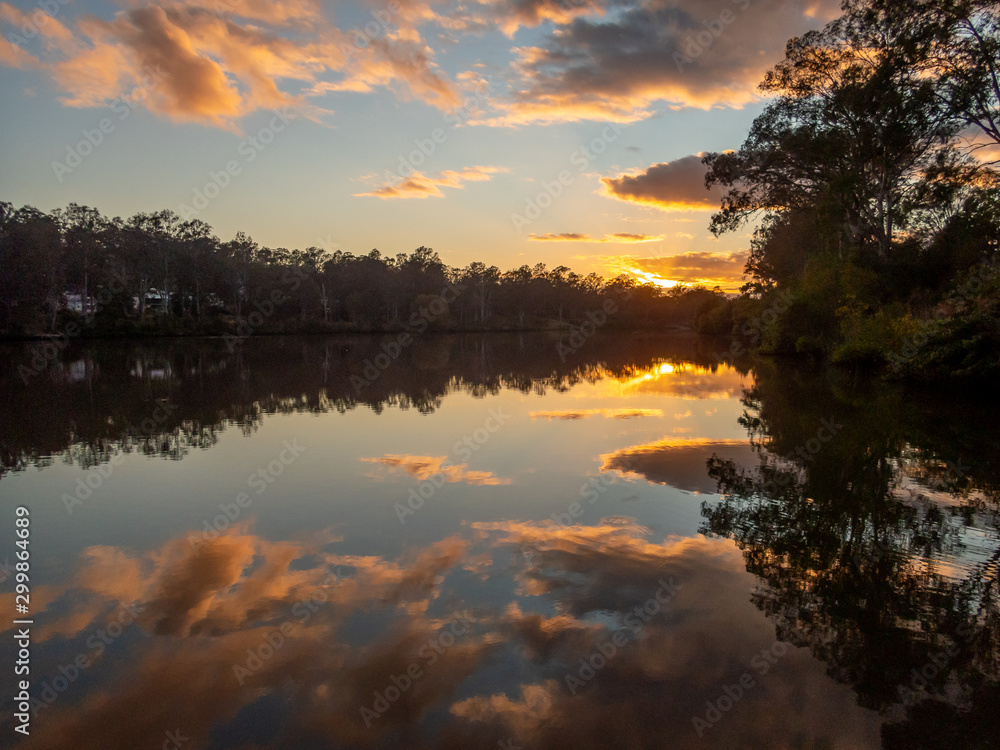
651	278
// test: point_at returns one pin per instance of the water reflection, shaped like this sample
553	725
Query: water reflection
678	462
118	403
287	642
877	548
553	590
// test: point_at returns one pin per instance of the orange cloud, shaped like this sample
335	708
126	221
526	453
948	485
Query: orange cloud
617	237
193	85
40	22
399	61
546	109
203	611
683	380
512	15
285	12
425	467
14	56
94	76
724	270
226	58
215	63
202	607
421	186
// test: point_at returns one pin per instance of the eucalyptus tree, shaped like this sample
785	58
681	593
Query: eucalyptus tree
31	268
482	281
83	230
956	43
853	133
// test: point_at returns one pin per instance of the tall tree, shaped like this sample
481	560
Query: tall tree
83	231
854	132
483	280
957	44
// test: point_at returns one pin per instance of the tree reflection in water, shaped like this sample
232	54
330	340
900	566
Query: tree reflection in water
98	398
879	551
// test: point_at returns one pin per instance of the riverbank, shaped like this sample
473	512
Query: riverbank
230	330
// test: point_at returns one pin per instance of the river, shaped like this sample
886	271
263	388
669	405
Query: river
489	541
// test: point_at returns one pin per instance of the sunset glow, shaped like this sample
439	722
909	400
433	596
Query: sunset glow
651	278
543	374
504	132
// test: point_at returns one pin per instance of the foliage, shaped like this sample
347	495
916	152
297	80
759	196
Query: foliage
154	274
873	206
859	515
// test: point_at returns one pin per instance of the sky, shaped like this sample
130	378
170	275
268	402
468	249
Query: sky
564	132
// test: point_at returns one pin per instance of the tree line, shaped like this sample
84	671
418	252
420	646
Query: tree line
872	175
155	273
171	397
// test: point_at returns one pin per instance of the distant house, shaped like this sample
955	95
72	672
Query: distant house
157	299
74	302
77	371
151	371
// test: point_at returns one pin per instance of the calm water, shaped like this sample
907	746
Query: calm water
297	544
